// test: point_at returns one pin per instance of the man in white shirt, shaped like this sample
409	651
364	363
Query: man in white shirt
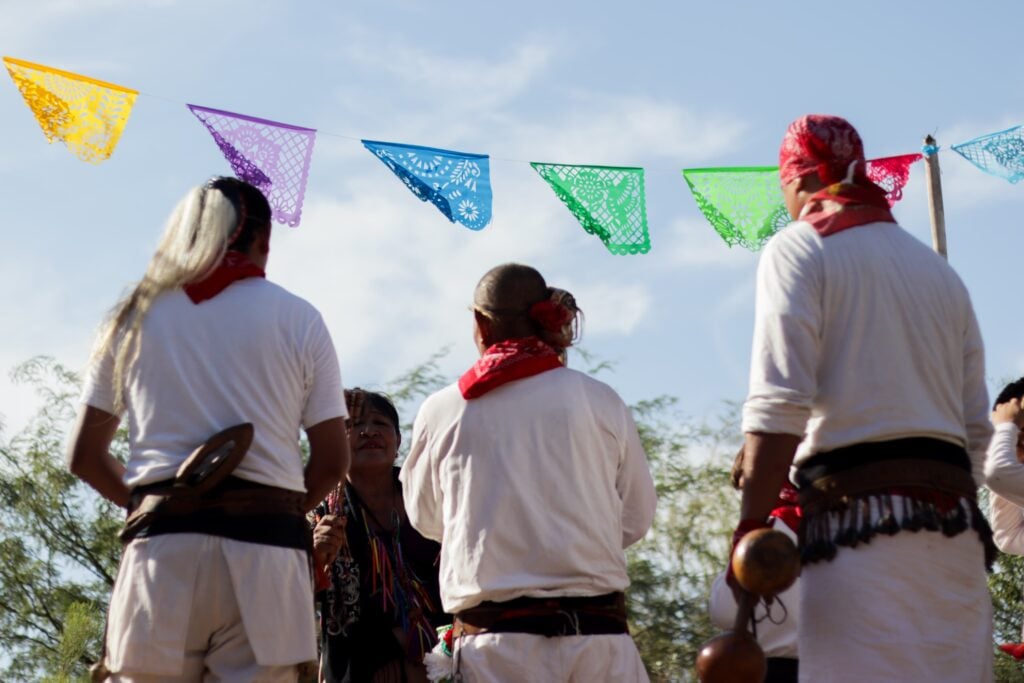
215	584
533	478
868	356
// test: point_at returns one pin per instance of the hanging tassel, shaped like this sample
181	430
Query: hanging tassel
867	530
847	534
887	524
955	521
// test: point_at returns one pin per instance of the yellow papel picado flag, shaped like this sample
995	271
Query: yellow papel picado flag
86	114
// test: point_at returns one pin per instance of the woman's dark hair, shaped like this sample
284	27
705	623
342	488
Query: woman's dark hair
1014	389
251	206
381	404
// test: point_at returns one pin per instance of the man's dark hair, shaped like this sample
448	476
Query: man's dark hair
1014	389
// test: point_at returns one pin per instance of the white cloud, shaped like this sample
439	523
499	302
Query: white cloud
618	129
40	321
27	22
464	81
693	243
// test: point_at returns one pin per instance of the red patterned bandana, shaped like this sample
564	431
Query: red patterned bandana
843	205
787	508
829	147
820	144
505	362
235	266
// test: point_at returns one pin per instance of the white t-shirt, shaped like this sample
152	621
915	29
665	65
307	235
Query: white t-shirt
866	335
533	489
253	353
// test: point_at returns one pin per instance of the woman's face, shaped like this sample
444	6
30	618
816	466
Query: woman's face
374	441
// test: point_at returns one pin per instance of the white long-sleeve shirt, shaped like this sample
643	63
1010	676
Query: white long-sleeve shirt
1004	475
533	489
866	335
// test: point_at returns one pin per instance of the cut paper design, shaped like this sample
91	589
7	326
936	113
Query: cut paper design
270	155
1000	154
892	174
743	204
87	115
457	183
608	201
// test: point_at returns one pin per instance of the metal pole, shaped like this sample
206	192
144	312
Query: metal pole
935	209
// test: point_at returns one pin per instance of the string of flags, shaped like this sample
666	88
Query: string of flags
744	205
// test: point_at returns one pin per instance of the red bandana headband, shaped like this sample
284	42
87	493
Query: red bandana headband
831	148
825	145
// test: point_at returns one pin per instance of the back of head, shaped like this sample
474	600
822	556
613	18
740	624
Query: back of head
828	147
1012	390
226	214
518	303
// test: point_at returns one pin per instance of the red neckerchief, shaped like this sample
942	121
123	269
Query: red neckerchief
787	507
235	266
842	206
507	361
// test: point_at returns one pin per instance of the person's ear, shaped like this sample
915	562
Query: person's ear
483	327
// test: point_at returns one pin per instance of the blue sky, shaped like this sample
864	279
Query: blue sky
663	85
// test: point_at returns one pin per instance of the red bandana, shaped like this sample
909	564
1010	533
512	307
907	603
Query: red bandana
831	148
842	206
787	508
507	361
235	266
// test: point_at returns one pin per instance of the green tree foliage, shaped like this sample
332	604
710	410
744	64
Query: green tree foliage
671	570
1005	584
58	545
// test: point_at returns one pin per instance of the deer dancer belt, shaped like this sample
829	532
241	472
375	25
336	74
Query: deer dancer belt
850	494
204	498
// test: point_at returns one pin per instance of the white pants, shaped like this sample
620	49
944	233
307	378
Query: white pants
521	657
913	607
160	611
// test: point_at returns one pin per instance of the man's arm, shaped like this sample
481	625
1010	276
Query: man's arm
766	462
975	399
329	458
89	456
421	485
635	486
1004	473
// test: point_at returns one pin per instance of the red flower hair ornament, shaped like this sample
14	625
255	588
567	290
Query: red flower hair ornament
550	315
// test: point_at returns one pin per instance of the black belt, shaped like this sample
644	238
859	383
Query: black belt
236	508
551	617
